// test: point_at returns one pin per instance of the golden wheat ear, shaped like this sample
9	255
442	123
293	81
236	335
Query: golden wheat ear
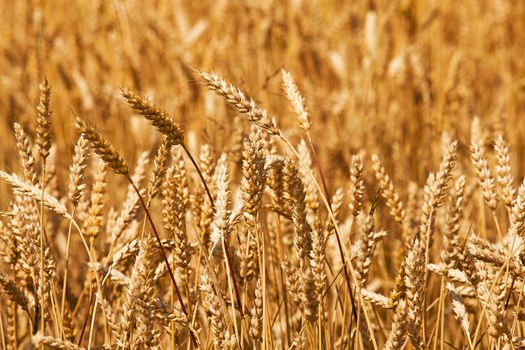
102	147
43	120
158	118
111	157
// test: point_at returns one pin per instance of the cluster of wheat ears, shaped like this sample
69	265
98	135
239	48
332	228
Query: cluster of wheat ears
266	262
366	196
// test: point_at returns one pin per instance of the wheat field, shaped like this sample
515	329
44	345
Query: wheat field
294	174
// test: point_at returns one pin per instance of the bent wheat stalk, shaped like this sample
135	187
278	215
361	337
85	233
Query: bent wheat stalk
108	153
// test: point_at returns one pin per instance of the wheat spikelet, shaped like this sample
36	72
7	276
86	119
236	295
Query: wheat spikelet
387	187
451	243
167	313
444	174
139	294
213	307
43	120
460	312
302	229
174	211
491	293
414	282
311	194
102	147
504	176
221	222
25	241
517	217
396	337
309	298
70	331
161	120
76	172
317	261
376	299
54	343
337	203
35	193
276	183
242	104
484	176
11	326
256	313
293	285
367	245
111	319
488	252
357	186
296	100
249	260
15	294
26	155
253	172
160	166
202	208
93	223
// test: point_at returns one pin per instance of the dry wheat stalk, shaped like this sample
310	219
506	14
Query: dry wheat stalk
131	205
